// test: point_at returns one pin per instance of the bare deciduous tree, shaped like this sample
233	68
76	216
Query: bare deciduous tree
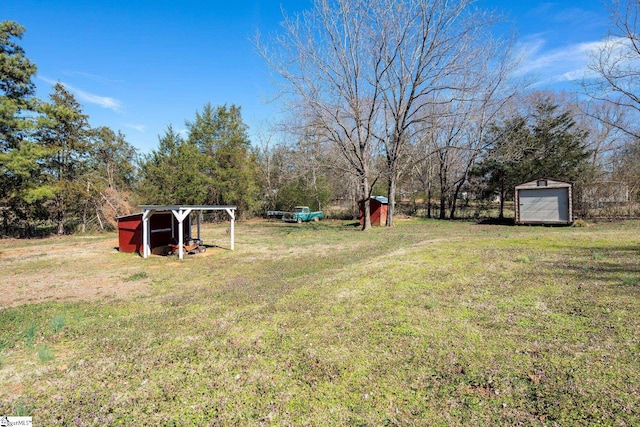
604	122
325	57
616	63
436	51
364	73
454	123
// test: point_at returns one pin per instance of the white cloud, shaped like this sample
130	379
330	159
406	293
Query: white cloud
93	77
564	64
101	101
139	128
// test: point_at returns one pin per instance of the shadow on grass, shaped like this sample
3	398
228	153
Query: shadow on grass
617	266
497	221
353	224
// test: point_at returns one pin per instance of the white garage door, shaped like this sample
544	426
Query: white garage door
544	205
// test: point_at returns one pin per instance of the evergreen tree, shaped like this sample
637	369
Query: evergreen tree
64	131
20	157
558	148
544	143
16	87
172	174
221	135
500	169
214	165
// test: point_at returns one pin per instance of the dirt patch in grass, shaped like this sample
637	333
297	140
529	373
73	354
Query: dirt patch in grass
65	269
33	290
88	268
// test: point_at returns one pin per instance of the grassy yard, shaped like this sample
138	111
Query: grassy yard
428	323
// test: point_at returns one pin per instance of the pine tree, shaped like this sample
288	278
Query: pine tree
172	174
19	155
215	165
543	143
64	131
16	87
221	135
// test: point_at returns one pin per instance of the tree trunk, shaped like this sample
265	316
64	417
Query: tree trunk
443	206
366	224
99	220
443	197
27	232
501	214
60	218
454	203
391	207
442	175
315	188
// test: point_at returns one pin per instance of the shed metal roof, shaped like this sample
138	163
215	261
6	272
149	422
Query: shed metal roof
185	207
544	183
381	199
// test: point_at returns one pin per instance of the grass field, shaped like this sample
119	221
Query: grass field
428	323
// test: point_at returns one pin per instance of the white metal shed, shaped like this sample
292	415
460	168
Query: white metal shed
544	201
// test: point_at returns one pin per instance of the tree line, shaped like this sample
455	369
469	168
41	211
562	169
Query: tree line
413	100
422	92
59	175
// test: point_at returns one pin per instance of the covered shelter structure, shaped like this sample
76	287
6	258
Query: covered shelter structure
180	213
544	201
159	225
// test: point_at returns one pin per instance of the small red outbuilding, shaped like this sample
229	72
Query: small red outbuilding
130	233
378	207
160	225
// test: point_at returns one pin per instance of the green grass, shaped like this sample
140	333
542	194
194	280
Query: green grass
137	276
428	323
29	335
58	323
45	353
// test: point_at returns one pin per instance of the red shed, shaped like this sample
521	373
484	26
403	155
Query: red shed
163	227
130	233
378	206
160	225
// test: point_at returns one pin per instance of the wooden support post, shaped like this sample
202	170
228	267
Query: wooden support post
198	222
180	216
146	233
231	213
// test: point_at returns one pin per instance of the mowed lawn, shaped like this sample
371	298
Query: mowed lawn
428	323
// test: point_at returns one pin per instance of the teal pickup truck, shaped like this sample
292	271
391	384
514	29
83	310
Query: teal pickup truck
302	214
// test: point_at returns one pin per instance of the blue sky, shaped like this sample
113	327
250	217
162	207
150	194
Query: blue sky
138	66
